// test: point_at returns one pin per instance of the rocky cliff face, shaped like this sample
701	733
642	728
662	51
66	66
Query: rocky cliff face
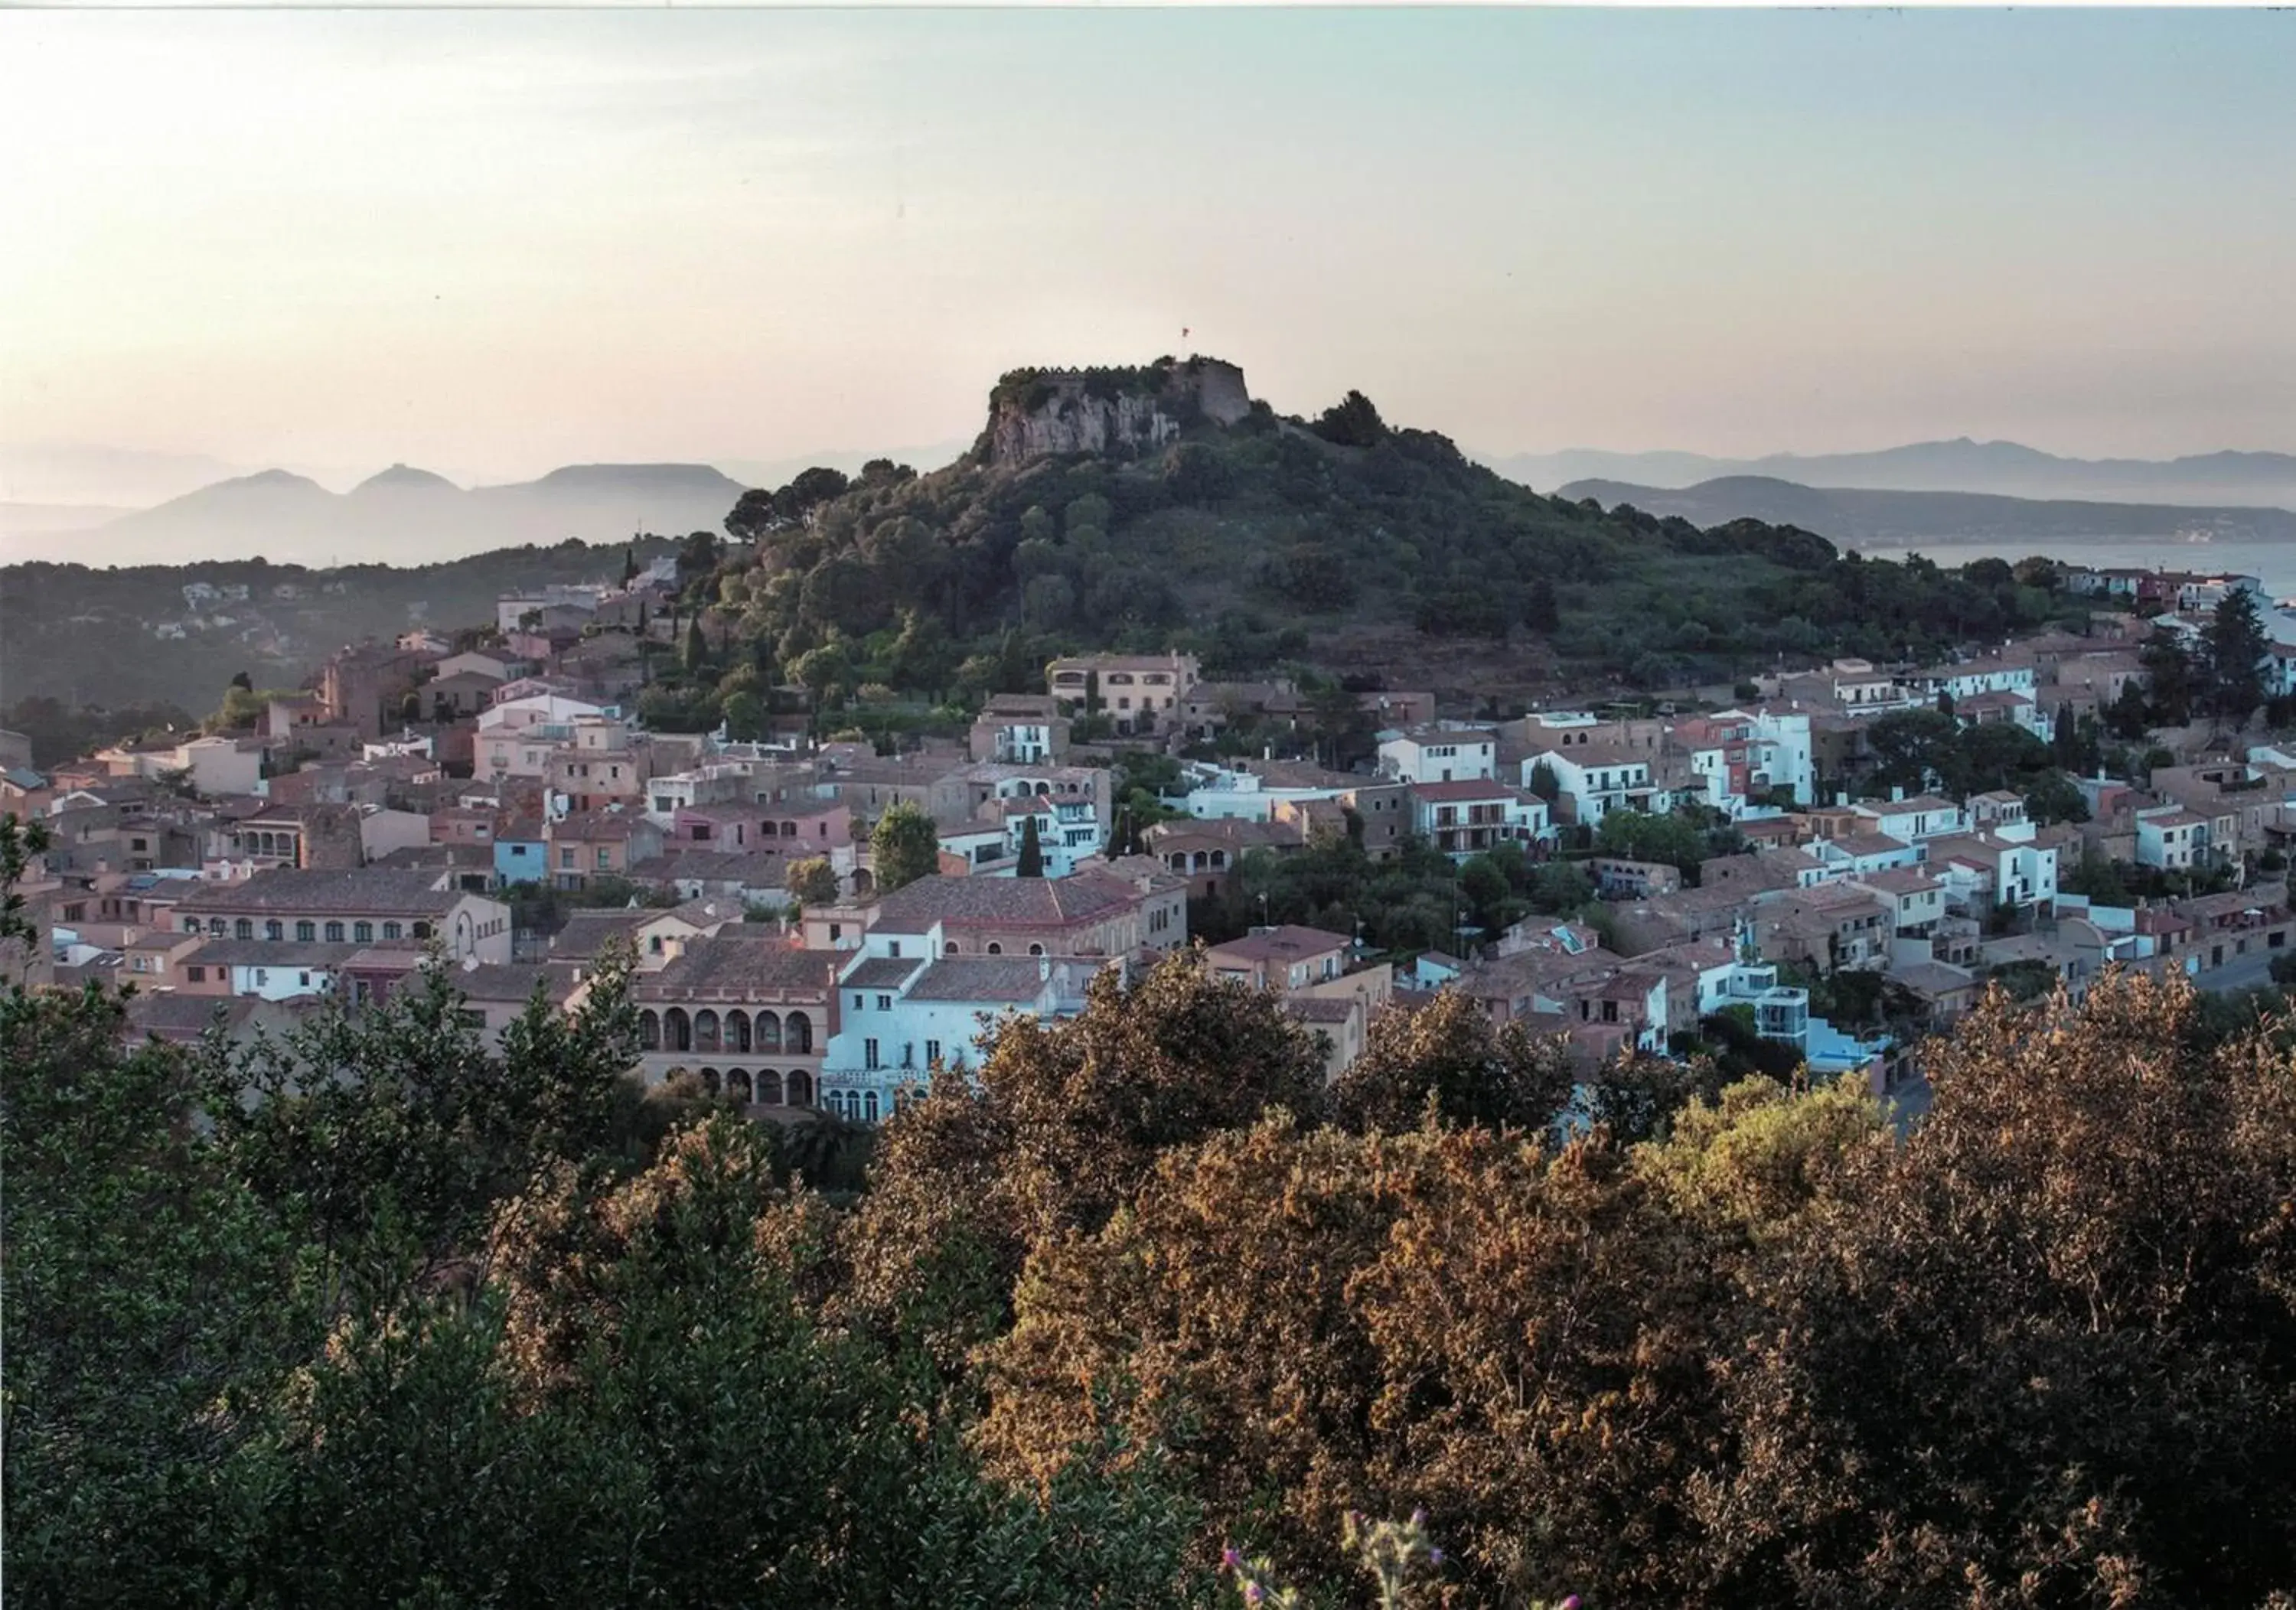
1036	414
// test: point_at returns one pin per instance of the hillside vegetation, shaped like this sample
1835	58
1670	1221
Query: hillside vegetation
429	1325
89	637
1345	544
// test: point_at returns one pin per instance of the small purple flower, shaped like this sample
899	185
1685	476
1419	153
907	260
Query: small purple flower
1434	1557
1230	1560
1253	1593
1570	1603
1419	1517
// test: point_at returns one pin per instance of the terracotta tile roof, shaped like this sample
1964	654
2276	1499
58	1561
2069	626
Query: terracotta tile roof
1289	942
269	952
1932	978
1899	880
1470	789
724	968
383	958
1003	979
1869	843
514	981
184	1017
1896	807
881	972
587	932
383	891
1001	902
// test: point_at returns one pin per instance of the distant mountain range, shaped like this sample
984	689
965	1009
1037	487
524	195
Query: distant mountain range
1853	516
2006	468
405	516
781	472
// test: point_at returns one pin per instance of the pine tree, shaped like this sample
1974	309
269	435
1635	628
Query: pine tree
629	565
1540	612
1032	849
2234	644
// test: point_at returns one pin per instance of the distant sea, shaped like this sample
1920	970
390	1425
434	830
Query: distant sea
2271	563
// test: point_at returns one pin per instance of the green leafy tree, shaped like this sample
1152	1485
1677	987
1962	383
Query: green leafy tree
1911	747
2053	796
904	847
1644	836
812	881
745	715
1352	422
1447	1059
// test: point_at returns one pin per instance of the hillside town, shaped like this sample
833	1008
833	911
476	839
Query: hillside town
489	801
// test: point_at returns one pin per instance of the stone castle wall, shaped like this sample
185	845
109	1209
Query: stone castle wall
1072	419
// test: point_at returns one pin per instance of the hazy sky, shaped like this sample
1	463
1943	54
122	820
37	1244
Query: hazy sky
497	242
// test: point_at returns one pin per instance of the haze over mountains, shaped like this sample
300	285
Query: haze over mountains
81	503
2004	468
402	516
112	506
1866	517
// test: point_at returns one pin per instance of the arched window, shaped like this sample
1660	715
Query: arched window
768	829
363	933
650	1030
737	1031
190	924
709	1080
768	1035
394	931
215	928
800	1092
789	830
796	1035
1036	950
705	1030
869	1107
994	949
274	929
949	949
334	933
244	928
422	930
306	932
677	1029
737	1085
769	1087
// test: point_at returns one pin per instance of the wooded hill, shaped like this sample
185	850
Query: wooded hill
91	637
1340	542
